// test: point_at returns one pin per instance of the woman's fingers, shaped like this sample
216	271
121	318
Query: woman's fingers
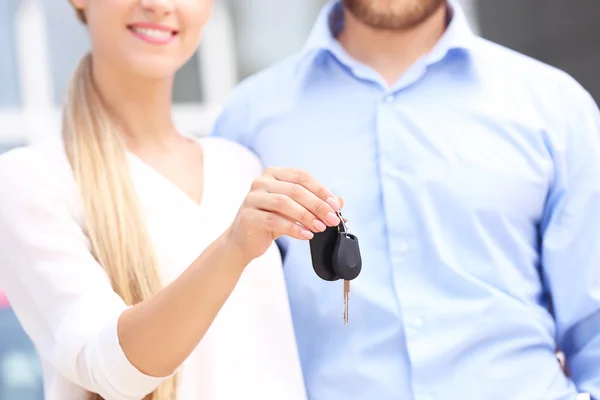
278	225
306	180
286	207
314	207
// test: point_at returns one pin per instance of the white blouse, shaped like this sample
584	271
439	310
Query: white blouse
65	302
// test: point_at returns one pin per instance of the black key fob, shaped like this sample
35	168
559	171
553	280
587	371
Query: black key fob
335	253
346	260
322	247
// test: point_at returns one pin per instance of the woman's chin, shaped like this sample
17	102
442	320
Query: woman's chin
152	66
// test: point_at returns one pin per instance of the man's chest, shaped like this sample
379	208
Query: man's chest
427	191
478	158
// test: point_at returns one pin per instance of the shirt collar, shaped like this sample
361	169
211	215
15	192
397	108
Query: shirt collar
458	35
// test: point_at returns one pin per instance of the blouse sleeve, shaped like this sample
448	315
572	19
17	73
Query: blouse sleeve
61	295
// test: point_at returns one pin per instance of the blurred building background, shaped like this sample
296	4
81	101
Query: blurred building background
41	42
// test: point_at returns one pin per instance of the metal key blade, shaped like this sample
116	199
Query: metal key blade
346	298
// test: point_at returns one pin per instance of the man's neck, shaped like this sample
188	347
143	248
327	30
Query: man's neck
391	53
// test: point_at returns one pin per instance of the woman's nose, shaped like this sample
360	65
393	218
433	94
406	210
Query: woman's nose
159	7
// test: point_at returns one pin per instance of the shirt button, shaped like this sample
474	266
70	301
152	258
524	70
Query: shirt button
389	99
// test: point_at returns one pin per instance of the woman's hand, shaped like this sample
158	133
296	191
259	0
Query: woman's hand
283	201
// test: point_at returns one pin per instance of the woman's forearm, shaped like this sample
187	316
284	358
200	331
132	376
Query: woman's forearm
158	334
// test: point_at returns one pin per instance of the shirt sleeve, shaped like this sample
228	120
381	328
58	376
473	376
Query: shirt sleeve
61	295
233	121
571	241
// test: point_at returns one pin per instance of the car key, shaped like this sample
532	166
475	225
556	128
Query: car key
335	255
346	260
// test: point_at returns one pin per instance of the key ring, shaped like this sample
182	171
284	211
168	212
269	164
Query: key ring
344	229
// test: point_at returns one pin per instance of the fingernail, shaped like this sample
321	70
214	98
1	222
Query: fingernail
319	225
333	219
333	203
307	234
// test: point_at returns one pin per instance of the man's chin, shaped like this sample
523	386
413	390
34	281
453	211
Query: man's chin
393	15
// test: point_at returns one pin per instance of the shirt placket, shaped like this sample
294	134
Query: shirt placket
398	199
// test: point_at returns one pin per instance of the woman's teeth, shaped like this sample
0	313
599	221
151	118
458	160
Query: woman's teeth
153	33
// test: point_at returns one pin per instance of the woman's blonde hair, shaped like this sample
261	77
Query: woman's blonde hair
113	223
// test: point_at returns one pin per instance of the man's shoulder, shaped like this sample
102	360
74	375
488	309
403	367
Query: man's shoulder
541	92
273	81
256	97
524	70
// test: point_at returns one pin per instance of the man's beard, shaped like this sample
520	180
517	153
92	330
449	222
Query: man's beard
393	14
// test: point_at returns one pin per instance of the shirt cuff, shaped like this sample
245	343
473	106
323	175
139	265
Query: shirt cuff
123	377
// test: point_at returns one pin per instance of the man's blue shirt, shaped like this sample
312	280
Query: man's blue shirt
473	185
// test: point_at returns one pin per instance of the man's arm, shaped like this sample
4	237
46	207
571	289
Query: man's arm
571	242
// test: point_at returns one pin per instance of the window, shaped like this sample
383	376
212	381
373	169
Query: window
9	145
20	369
267	31
63	27
33	83
10	96
9	88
